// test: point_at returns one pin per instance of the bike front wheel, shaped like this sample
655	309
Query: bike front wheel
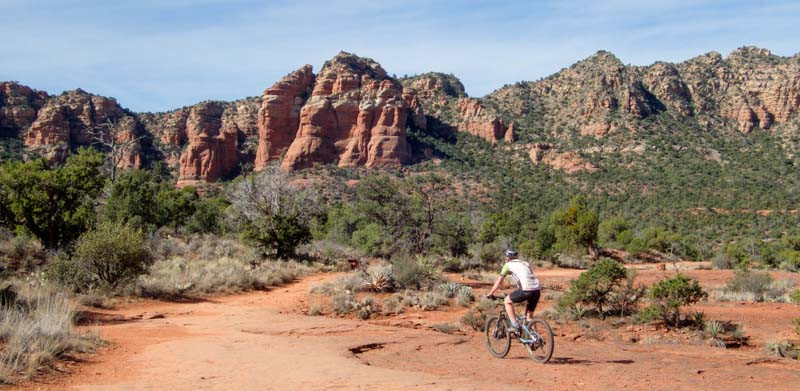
498	336
541	349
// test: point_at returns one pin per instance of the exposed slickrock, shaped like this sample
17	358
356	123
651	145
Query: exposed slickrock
279	115
356	115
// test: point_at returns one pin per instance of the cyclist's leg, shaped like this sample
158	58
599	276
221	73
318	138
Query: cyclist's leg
510	309
533	301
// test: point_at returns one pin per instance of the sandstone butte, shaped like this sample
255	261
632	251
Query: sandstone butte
353	114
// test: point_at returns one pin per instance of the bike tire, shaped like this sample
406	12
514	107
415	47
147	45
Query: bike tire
542	350
498	337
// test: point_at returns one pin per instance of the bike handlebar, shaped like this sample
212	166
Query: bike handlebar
493	297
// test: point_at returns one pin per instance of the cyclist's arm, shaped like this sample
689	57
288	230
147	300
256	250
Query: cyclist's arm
499	280
496	285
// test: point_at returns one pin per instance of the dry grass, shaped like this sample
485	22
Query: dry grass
352	282
755	289
36	330
178	278
19	254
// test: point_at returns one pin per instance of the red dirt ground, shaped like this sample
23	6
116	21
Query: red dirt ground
261	340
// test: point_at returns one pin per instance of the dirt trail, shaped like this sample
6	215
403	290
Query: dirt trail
258	341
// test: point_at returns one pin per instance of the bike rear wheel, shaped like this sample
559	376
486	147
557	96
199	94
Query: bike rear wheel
541	349
498	336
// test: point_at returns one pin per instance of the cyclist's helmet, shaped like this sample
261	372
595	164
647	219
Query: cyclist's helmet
510	253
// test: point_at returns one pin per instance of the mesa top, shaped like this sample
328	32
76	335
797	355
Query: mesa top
522	273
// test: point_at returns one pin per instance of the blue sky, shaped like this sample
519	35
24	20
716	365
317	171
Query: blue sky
158	55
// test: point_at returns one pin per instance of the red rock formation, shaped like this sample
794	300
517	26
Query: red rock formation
356	115
79	118
279	116
511	134
476	120
212	145
442	94
18	105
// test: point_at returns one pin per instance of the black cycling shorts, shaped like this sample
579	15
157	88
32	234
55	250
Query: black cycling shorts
532	297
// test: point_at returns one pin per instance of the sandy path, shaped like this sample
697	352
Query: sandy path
257	341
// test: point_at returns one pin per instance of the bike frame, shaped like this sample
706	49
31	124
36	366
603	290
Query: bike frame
520	320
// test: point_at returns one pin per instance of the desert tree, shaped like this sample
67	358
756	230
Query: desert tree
116	139
271	213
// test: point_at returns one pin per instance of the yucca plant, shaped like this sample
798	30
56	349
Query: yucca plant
713	328
465	297
379	278
450	289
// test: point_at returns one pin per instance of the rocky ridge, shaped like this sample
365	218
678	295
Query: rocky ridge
353	114
749	89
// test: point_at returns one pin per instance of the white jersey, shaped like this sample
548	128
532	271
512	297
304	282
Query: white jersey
522	273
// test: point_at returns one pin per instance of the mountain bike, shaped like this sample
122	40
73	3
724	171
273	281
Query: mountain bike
536	335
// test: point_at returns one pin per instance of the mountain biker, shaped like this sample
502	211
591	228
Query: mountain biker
528	288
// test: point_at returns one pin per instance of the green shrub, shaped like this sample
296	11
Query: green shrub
723	261
575	226
114	254
789	260
432	300
615	230
625	299
414	273
795	297
343	303
393	305
54	204
750	282
370	239
476	317
487	254
20	253
594	287
365	307
273	215
668	296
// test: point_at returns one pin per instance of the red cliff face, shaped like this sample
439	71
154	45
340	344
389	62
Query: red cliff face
443	96
356	115
212	145
75	118
279	115
19	105
477	120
